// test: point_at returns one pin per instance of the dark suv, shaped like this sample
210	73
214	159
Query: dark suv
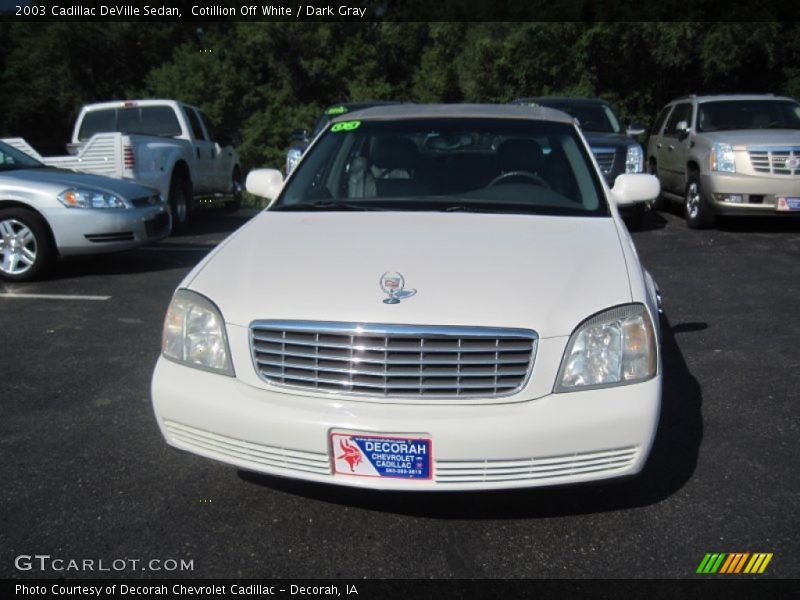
614	148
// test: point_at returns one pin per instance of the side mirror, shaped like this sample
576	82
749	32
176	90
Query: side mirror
635	129
632	188
266	183
301	135
682	128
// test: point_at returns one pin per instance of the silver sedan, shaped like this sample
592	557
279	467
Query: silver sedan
47	213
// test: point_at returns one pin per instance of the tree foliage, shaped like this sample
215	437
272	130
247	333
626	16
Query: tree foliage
266	79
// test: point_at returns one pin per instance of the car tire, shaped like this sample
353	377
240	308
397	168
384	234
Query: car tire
236	192
26	247
180	203
659	203
698	214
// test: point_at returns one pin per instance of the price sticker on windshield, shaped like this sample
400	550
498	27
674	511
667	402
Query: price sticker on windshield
345	126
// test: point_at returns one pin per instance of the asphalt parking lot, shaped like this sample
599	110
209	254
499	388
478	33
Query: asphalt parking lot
86	474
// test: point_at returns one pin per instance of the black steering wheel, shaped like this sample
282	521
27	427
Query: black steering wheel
520	175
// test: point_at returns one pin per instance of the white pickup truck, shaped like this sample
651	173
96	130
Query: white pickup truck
164	144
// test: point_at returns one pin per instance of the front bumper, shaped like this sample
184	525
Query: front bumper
555	439
97	231
759	193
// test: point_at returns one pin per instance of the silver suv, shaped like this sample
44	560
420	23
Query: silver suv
728	155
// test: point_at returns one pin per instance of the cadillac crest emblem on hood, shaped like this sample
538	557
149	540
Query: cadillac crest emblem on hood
393	285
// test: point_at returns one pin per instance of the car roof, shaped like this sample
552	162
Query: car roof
134	103
455	111
575	100
362	104
726	97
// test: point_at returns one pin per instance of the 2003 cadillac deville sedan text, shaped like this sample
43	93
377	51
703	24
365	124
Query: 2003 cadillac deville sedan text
438	298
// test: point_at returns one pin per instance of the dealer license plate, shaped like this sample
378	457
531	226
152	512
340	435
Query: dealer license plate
788	204
370	455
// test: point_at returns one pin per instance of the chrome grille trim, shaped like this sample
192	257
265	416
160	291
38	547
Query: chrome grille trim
773	159
531	469
411	362
605	158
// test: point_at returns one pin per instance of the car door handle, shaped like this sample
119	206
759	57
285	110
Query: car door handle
659	145
197	149
671	147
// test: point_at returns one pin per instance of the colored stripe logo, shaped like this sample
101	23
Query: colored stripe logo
734	563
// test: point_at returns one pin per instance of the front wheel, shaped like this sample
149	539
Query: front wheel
25	247
659	203
698	213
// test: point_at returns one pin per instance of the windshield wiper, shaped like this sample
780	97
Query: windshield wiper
467	208
325	205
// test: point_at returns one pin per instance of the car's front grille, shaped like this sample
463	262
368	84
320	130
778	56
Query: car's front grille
406	361
605	158
776	161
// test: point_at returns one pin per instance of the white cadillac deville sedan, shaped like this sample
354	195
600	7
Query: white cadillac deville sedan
439	297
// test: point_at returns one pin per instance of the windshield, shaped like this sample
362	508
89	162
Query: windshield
339	109
11	159
591	117
748	114
450	164
320	125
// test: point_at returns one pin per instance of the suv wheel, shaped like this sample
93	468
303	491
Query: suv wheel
698	213
659	203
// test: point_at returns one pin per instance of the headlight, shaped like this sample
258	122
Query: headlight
292	158
194	334
634	160
722	158
615	347
83	198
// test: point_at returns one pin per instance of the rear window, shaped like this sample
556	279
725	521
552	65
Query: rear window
142	120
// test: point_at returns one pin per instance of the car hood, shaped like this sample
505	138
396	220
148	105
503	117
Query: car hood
608	140
59	180
755	137
538	272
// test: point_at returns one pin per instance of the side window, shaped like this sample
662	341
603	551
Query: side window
682	112
194	123
659	122
213	134
6	159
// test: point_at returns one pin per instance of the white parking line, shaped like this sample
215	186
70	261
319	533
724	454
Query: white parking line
50	296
